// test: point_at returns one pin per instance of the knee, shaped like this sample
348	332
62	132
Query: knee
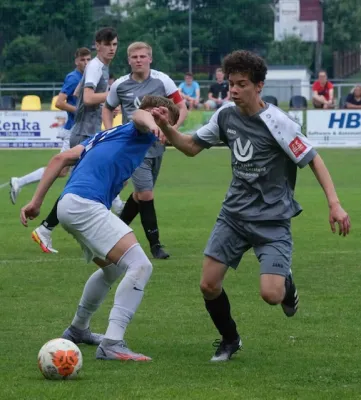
140	274
145	196
272	295
210	289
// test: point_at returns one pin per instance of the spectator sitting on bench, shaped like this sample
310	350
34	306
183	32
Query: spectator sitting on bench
218	92
323	96
190	91
353	100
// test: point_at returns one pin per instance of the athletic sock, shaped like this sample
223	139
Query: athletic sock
34	176
219	310
130	210
148	218
51	220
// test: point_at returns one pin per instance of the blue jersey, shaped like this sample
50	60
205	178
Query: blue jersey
108	160
70	83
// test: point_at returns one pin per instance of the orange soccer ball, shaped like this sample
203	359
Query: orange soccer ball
60	359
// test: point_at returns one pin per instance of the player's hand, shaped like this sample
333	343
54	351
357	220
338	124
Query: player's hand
339	215
30	211
161	116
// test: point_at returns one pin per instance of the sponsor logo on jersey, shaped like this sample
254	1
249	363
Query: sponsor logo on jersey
297	147
243	153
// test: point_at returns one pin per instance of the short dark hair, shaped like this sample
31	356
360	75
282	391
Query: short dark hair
245	62
160	101
105	35
189	74
82	52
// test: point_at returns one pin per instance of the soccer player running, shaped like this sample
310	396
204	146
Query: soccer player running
128	91
66	101
92	92
103	163
266	148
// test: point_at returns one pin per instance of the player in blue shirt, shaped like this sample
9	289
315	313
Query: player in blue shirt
66	101
102	164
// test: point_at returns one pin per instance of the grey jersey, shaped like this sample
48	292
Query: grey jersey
88	119
129	93
266	150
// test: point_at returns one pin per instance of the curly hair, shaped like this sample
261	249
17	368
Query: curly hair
245	62
160	101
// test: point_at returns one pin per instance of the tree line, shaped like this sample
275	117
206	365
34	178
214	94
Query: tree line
38	37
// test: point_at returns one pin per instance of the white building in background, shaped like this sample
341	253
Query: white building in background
285	81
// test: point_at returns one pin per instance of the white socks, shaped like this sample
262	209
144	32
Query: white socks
127	297
130	291
95	291
34	176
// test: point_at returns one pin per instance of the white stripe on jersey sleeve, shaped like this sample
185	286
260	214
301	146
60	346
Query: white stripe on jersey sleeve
209	134
287	133
113	99
93	73
169	85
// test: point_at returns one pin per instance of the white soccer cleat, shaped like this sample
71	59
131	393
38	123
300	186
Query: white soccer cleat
42	236
15	189
118	350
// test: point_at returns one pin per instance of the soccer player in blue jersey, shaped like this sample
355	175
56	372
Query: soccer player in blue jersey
66	101
102	164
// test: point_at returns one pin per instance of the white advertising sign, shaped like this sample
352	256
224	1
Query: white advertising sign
334	128
31	129
297	115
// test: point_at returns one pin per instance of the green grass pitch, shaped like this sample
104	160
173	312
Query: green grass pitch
314	355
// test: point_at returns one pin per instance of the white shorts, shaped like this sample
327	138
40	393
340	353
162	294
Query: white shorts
64	134
95	227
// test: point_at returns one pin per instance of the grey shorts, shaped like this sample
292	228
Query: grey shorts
77	139
83	130
270	240
145	176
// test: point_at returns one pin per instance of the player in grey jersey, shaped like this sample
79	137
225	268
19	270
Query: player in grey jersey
91	93
266	148
128	92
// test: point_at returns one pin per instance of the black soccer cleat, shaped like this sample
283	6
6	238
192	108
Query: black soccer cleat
290	302
158	252
225	350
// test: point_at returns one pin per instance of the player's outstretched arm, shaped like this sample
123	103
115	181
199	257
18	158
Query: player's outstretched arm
337	213
184	143
52	171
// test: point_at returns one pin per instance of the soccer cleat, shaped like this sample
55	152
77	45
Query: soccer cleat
290	302
42	236
118	350
15	189
77	336
158	252
226	349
